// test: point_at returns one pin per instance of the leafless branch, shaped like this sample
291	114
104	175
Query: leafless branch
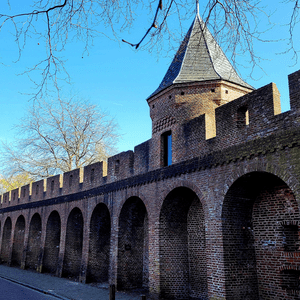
59	136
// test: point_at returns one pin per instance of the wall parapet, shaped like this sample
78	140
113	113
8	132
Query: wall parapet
270	144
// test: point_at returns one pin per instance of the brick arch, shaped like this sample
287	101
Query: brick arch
52	242
133	256
187	184
18	242
260	226
34	242
182	246
6	241
99	244
73	244
258	166
133	193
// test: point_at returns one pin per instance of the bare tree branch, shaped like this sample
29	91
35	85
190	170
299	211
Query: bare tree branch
55	23
59	136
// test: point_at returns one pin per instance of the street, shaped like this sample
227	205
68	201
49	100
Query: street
14	291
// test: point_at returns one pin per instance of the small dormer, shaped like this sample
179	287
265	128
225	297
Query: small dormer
199	79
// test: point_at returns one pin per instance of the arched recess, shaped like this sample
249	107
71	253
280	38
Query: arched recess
183	273
99	245
18	242
34	242
6	239
51	249
73	248
133	246
260	225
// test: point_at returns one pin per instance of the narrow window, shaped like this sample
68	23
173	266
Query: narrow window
242	117
70	180
52	185
290	238
117	166
167	148
37	189
92	175
24	192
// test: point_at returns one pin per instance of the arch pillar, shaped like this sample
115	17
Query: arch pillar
26	234
62	246
85	251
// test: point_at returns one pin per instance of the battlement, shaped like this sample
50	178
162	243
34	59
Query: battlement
250	117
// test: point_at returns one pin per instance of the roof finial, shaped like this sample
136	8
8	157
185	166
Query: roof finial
197	7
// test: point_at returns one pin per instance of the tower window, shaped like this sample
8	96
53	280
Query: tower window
167	148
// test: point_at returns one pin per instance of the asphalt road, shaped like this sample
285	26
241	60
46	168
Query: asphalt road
13	291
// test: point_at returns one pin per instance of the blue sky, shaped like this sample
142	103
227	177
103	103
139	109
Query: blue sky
119	79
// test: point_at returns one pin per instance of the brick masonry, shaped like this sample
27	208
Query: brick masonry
220	222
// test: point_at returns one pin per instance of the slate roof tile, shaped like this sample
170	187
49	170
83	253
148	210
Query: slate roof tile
199	58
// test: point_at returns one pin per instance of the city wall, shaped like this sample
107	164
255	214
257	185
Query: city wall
222	222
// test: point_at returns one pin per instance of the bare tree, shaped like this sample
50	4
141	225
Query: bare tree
54	23
12	182
58	136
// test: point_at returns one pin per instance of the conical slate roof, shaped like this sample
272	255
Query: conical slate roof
199	58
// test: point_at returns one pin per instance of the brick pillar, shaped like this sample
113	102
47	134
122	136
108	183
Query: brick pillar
25	246
85	250
294	88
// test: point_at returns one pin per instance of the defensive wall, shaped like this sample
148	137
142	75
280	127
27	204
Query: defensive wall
221	222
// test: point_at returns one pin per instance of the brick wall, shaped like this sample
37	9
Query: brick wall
221	222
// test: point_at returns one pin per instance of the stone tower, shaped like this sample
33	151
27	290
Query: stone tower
199	79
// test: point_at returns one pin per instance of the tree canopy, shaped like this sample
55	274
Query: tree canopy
58	136
13	181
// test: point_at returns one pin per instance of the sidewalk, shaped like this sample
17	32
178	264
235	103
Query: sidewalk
60	287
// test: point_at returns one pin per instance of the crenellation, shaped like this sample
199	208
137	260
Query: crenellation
15	195
71	181
244	117
141	158
93	175
294	90
37	190
192	137
120	166
54	186
6	199
25	193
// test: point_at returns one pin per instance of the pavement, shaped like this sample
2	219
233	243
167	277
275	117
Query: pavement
62	288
